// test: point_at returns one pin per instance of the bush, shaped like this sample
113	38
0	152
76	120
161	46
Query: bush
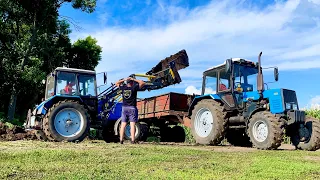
189	137
313	113
15	121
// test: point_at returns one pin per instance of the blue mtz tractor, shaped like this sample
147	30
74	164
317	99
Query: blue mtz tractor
72	104
246	116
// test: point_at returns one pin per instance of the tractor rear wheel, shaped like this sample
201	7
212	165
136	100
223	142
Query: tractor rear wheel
207	122
66	121
127	134
238	137
310	132
265	130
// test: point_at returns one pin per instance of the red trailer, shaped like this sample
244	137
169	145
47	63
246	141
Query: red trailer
163	113
171	107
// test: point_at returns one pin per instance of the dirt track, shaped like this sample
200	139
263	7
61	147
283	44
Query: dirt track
224	148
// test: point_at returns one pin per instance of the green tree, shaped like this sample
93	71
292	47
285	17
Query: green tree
25	26
84	54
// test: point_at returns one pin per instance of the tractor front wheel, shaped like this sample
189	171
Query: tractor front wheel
207	122
266	130
305	136
66	121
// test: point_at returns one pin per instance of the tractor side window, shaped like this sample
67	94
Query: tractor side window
210	86
224	82
50	87
66	83
87	85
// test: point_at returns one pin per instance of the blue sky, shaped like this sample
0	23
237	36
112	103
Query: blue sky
135	35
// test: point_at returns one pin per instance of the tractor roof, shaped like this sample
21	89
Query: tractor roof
236	60
75	70
242	62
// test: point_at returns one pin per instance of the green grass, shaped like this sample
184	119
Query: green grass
99	160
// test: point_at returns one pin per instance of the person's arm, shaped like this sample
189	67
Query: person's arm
140	82
119	82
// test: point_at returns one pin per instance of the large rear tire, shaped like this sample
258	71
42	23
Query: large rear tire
312	133
66	121
207	122
265	130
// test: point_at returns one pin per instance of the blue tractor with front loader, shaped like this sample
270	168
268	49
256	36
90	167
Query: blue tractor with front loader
72	104
246	116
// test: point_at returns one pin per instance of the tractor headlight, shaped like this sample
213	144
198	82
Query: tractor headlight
288	106
294	107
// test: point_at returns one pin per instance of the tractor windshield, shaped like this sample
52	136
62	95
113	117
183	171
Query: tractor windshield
245	77
66	83
87	85
49	87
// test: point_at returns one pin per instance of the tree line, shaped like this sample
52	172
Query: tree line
34	40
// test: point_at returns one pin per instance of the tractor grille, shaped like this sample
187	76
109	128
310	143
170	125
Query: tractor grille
289	96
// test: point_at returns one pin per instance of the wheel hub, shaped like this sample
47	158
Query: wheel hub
68	122
203	122
260	131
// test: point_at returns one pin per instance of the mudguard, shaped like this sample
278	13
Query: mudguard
42	108
199	98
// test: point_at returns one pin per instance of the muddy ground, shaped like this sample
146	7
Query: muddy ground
13	133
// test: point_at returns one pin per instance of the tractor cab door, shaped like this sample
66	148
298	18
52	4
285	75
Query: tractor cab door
225	93
87	90
232	99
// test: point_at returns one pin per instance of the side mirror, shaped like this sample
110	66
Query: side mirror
105	78
43	81
228	65
276	74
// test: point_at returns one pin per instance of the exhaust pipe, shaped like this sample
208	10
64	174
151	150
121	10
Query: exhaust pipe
260	83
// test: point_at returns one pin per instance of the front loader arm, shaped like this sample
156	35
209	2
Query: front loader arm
164	74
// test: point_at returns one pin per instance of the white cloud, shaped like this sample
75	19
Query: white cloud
194	90
212	33
315	103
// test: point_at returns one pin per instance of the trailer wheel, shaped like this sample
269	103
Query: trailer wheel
166	134
207	122
179	134
265	130
66	121
144	131
238	137
311	133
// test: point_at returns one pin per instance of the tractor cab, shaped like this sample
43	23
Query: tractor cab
231	80
71	82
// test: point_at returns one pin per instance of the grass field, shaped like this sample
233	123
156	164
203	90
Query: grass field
98	160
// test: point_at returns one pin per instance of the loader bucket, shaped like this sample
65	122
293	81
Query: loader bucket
181	61
166	71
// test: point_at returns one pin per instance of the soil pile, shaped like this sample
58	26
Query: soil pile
14	133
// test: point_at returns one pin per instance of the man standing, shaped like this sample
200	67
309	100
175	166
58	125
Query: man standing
129	106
